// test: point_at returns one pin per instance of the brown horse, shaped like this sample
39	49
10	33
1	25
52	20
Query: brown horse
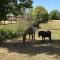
45	34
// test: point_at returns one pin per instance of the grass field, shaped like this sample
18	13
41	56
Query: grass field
53	24
54	27
33	49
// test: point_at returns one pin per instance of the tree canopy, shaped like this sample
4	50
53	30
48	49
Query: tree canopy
11	6
54	14
39	9
23	5
6	6
41	14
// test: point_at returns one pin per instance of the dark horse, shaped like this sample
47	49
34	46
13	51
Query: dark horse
30	31
45	34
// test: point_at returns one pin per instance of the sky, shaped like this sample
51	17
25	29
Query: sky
48	4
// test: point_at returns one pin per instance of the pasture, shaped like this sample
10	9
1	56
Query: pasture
33	49
54	27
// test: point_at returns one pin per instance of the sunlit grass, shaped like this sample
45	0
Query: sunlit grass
51	24
54	24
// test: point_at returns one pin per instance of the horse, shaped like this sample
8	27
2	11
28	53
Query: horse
45	34
36	25
30	31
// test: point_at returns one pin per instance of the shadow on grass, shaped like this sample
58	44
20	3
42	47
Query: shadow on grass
34	47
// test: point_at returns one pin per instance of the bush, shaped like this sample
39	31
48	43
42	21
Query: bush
9	34
2	36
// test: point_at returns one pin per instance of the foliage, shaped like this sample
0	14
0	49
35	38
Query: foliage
9	34
30	12
11	6
6	34
44	17
16	30
6	6
54	14
39	9
26	3
41	14
23	5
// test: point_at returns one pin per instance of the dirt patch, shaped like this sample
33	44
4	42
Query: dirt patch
31	50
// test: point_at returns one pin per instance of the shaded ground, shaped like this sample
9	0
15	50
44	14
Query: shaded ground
31	50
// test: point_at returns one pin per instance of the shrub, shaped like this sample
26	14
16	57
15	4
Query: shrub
2	36
8	34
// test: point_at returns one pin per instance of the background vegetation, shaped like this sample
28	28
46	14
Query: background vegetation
24	8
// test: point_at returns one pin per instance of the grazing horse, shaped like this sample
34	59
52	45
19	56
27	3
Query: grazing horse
30	31
45	34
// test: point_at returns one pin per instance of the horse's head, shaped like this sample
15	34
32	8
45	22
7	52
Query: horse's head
40	33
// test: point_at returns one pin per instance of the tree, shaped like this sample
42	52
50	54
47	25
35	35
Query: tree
11	6
41	14
44	17
54	14
23	5
26	3
6	7
39	9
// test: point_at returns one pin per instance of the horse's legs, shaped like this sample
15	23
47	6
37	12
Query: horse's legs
42	39
32	36
50	39
24	38
29	36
